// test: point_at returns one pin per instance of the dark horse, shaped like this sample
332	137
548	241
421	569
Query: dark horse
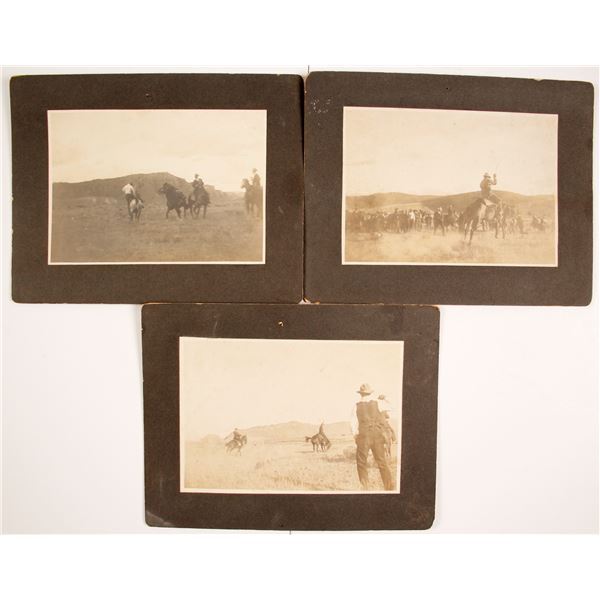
197	199
236	444
176	199
319	442
253	198
473	216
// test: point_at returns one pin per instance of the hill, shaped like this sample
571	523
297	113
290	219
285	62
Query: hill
147	184
543	205
540	204
384	199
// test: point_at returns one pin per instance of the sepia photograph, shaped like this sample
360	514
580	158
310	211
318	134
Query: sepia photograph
449	187
156	186
290	416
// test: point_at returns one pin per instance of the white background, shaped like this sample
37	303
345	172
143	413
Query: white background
239	565
518	411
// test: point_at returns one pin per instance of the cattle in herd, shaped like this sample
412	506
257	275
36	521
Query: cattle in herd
500	218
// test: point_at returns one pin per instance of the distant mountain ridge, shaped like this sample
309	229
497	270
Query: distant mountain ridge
542	204
146	184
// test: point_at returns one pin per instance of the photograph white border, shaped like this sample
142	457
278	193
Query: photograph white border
396	490
165	262
438	264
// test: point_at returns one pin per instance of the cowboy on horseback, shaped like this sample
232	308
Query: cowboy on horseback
255	179
486	189
199	190
254	194
131	194
235	435
134	201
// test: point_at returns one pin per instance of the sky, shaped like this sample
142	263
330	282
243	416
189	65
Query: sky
439	152
227	383
223	146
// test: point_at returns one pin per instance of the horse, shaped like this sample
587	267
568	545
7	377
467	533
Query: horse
319	441
134	209
451	219
253	198
500	218
176	200
438	222
538	223
389	437
197	199
236	444
473	215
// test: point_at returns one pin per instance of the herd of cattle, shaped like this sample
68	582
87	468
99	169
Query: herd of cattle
504	219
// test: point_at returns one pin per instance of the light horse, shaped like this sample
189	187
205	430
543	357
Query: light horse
134	208
197	199
253	198
503	219
234	444
176	199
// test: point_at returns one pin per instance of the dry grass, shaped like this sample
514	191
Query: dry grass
289	466
532	248
98	230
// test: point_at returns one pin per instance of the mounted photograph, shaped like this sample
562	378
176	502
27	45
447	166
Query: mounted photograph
156	186
290	416
449	187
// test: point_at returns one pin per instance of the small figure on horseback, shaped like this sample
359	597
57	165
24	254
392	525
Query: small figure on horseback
476	212
198	198
135	204
538	223
237	442
320	442
253	197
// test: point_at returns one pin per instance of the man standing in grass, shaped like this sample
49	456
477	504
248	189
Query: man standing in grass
370	428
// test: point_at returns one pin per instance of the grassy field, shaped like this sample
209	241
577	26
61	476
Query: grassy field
98	230
531	248
284	466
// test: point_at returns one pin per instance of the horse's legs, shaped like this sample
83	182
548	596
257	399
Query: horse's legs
474	224
167	214
204	213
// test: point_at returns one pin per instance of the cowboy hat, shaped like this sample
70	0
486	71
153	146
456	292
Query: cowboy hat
364	389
